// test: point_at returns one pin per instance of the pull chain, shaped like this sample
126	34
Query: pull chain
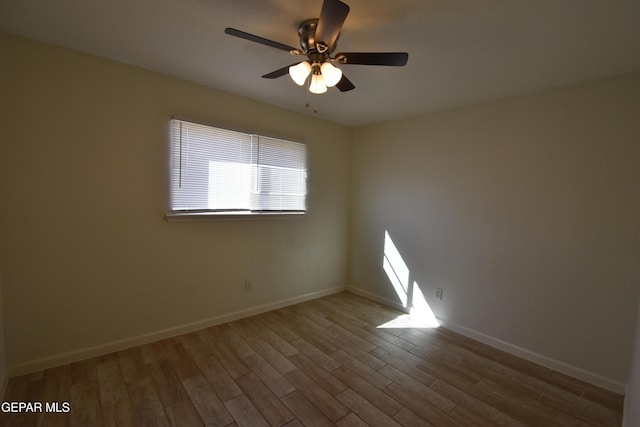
309	105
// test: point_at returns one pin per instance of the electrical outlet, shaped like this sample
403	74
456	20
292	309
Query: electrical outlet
439	293
248	287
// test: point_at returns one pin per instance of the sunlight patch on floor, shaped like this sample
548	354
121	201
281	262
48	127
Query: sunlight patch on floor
410	321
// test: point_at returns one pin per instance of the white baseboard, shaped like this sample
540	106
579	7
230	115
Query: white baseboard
85	353
373	297
547	362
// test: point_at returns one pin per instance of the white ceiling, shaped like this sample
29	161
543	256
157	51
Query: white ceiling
460	51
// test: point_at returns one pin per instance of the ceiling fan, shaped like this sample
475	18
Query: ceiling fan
318	41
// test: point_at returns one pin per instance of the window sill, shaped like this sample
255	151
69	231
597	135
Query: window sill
231	216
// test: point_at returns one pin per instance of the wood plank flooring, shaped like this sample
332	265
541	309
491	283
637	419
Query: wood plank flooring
320	363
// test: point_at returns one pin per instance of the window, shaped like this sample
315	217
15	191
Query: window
217	170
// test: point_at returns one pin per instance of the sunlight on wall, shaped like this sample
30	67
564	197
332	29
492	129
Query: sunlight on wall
421	309
410	294
396	269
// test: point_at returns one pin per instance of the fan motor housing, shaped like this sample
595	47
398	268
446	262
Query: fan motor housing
307	34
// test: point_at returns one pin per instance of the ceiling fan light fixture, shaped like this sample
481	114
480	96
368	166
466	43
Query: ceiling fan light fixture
300	72
317	85
331	74
318	40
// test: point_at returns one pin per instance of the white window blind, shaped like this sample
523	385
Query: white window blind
220	170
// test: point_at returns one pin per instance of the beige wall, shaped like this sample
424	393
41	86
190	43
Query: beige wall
524	210
3	355
86	255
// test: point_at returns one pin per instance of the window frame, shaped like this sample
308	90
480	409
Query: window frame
188	215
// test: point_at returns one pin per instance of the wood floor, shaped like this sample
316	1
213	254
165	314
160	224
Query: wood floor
323	362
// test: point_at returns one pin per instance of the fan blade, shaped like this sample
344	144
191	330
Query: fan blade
345	85
393	59
261	40
278	73
332	16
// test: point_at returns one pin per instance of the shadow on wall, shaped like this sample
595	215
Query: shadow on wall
408	291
